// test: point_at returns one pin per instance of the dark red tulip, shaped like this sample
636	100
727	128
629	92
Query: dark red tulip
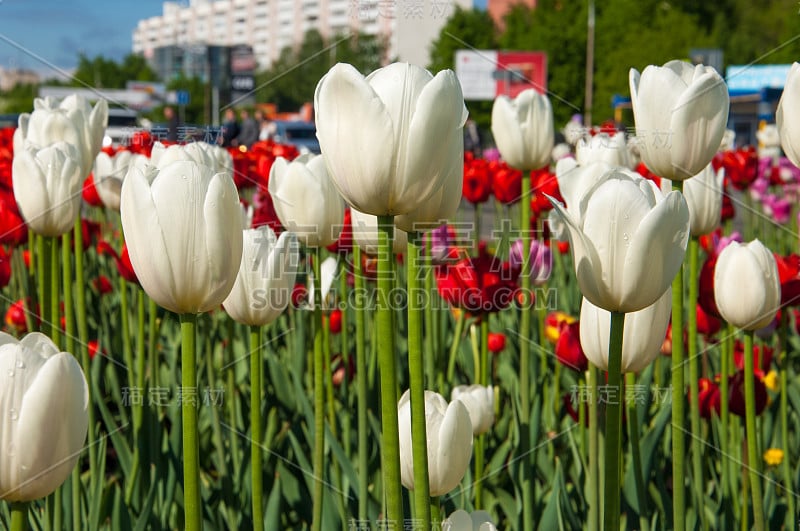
477	284
645	172
736	403
299	295
496	342
705	294
264	211
741	166
477	181
568	347
728	209
543	184
345	241
15	315
13	230
5	266
707	325
94	347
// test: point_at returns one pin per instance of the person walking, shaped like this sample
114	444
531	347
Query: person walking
230	129
248	135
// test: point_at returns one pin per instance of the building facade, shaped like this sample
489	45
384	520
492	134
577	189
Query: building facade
269	26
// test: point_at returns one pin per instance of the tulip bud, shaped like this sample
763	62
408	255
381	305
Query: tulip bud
541	260
45	416
267	272
449	432
47	186
681	111
183	228
404	128
643	333
746	285
523	129
306	200
703	194
601	147
629	243
109	173
786	116
479	401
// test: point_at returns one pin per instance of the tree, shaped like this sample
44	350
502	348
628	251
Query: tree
105	73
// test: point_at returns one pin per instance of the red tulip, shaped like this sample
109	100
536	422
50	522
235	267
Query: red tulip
345	241
506	183
645	172
728	210
568	347
705	294
707	325
5	266
477	284
477	181
708	397
741	166
13	230
15	315
554	325
335	321
264	211
123	261
94	348
496	342
543	184
102	285
89	193
299	295
765	355
789	273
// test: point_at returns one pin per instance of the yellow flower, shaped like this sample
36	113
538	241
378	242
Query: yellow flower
771	380
773	456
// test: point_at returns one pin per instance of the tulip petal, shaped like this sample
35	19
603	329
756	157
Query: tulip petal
362	167
450	452
699	114
656	253
786	115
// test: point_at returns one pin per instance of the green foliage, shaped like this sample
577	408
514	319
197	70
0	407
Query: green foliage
18	99
291	80
106	73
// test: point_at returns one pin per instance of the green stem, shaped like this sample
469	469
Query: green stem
55	310
127	353
727	489
83	339
191	457
255	426
529	462
611	488
361	389
678	389
480	440
593	476
19	516
69	346
319	397
636	456
416	369
430	346
754	462
451	364
43	281
388	374
694	377
784	413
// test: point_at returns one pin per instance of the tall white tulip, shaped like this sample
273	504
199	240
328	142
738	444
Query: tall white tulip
110	171
266	276
703	194
479	401
47	186
523	129
306	200
643	333
44	399
389	138
629	243
681	111
787	116
747	287
183	227
602	147
573	183
449	431
72	120
162	155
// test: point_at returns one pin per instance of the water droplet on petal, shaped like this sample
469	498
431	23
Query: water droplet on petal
13	414
20	364
10	373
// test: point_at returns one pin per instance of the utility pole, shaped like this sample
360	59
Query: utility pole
587	112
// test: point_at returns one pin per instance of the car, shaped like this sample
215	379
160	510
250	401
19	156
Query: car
122	123
302	135
9	120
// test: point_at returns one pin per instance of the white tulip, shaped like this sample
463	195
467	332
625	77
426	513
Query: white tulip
461	520
747	287
703	194
681	111
365	233
643	333
263	287
47	186
306	200
523	129
183	227
449	432
388	139
601	147
109	172
44	399
787	116
479	401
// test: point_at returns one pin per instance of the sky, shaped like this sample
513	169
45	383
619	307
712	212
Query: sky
43	34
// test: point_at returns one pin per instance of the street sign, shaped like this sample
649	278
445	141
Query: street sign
486	74
242	83
182	97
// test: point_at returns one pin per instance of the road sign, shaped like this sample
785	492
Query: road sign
182	97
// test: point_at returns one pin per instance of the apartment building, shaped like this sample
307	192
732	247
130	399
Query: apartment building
269	26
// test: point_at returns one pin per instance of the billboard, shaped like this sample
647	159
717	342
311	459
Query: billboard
486	74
